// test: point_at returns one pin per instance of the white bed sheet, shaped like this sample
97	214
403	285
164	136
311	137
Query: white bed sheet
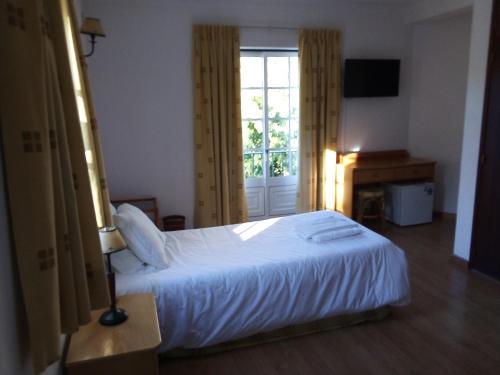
233	281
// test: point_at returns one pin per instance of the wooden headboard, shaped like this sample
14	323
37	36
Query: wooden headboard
148	205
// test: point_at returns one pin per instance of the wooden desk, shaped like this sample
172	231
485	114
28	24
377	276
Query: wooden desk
126	349
368	168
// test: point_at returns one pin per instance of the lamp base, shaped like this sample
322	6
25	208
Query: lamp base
113	317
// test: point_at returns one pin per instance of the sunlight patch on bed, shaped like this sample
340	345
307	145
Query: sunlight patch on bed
249	230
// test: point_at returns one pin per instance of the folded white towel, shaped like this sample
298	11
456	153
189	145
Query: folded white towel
336	234
308	230
326	220
325	217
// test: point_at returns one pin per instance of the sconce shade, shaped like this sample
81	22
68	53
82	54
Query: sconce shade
92	26
111	240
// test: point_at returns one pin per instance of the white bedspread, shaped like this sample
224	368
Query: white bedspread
233	281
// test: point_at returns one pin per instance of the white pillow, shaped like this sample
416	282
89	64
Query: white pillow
141	235
127	263
112	209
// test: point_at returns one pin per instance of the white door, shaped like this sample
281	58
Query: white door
270	113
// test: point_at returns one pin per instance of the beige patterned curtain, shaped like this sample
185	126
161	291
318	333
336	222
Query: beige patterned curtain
319	59
88	122
220	194
52	216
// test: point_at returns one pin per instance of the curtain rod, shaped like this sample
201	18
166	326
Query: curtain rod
269	27
258	49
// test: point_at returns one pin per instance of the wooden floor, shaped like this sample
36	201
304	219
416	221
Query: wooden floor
452	326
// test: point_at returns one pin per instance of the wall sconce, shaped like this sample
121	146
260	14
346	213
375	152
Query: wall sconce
92	27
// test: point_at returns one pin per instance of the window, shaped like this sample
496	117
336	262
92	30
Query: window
270	113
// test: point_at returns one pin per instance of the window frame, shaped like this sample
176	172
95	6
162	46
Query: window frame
266	150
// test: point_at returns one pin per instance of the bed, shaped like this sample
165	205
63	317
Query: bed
230	282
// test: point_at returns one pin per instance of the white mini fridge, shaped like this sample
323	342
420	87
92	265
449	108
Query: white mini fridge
409	204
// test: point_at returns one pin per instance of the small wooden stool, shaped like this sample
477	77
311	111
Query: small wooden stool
365	197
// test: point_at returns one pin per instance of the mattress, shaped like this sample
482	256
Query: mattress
233	281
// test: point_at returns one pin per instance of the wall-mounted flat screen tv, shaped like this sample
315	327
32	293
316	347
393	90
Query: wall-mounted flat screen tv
371	78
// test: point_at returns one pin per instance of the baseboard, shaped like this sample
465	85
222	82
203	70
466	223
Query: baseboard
460	262
443	215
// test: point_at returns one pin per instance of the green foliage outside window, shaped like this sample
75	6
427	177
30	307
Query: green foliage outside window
253	165
278	164
255	137
278	132
279	161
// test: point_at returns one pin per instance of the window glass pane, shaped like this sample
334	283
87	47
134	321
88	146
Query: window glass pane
277	71
251	104
278	133
293	167
252	71
281	132
278	164
253	135
253	165
294	71
277	101
294	133
294	103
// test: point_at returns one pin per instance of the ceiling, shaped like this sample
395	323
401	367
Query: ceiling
398	2
307	2
387	1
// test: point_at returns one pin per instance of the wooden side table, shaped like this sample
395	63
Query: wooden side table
174	222
128	348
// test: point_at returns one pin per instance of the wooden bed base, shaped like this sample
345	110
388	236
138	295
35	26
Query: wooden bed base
326	324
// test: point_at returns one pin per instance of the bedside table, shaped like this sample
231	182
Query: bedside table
174	222
127	348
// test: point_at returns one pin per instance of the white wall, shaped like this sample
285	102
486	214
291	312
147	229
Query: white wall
425	10
476	78
481	21
440	58
141	81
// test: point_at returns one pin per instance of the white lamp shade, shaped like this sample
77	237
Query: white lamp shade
111	240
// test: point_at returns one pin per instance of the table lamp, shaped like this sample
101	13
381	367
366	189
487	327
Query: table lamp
112	242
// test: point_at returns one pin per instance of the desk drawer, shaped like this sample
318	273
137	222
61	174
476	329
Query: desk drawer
368	176
415	173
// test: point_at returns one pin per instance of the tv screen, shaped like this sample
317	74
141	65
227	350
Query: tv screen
371	78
